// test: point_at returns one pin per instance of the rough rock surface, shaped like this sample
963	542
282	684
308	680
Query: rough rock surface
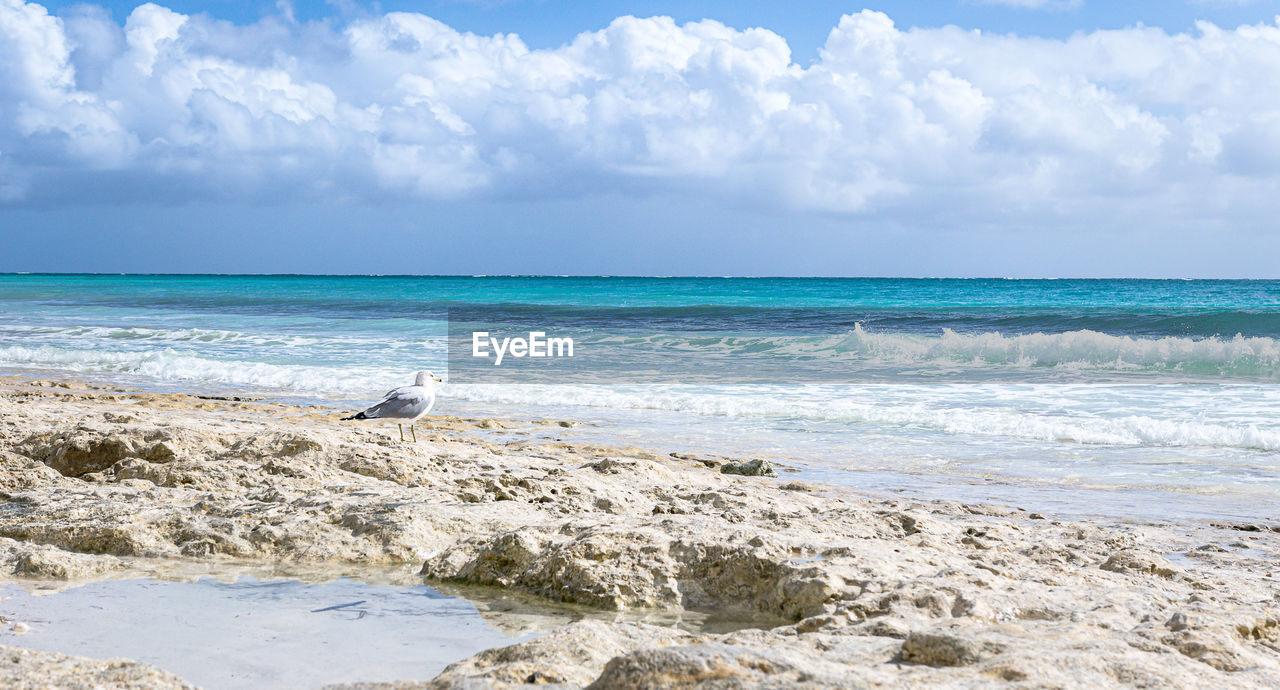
749	468
40	561
23	669
853	590
573	656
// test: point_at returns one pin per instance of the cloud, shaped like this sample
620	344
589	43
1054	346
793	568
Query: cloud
923	126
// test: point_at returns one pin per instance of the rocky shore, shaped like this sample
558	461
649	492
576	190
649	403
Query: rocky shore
854	591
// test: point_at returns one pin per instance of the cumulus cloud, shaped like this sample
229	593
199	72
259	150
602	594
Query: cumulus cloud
939	124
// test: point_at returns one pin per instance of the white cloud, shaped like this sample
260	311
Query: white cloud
924	126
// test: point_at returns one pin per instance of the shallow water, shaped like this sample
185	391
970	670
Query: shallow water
256	634
246	625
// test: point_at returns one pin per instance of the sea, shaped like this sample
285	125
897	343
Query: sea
1131	399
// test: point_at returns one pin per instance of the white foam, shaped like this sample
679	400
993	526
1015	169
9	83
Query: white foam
1257	357
171	365
916	408
988	410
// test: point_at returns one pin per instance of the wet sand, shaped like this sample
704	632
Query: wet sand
849	590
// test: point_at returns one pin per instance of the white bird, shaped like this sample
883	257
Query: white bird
406	403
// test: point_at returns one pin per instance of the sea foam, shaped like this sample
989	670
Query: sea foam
1238	356
993	409
169	365
988	410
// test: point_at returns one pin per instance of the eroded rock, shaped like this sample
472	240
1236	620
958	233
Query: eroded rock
880	592
24	669
18	472
1137	561
85	449
40	561
573	656
749	468
958	648
712	665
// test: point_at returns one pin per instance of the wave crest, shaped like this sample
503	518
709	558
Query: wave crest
174	366
1085	350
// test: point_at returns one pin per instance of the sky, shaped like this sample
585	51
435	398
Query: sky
1020	138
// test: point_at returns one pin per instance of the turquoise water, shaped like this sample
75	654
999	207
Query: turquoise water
1163	396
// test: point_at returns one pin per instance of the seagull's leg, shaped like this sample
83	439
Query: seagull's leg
414	433
401	430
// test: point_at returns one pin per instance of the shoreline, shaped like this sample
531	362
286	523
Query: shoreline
1139	503
870	591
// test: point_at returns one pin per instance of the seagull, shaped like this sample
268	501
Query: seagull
406	403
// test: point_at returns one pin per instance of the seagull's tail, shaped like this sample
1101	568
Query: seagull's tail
358	415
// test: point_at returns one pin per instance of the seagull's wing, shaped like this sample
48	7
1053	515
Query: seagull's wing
402	403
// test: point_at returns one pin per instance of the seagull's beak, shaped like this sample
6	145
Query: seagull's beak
437	379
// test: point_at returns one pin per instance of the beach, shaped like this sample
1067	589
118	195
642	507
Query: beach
835	587
364	344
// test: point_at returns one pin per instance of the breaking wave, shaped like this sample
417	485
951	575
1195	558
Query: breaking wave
173	366
1240	356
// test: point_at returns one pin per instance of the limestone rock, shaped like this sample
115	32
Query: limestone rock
847	589
1140	562
622	569
40	561
18	473
23	669
710	666
749	468
85	448
573	656
957	648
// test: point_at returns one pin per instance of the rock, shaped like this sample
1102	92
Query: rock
1218	652
24	669
846	589
18	473
119	418
613	466
600	567
749	468
85	449
946	649
709	665
622	569
501	561
274	445
40	561
573	656
1139	562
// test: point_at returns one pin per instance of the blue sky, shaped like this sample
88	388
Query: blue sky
550	23
1060	138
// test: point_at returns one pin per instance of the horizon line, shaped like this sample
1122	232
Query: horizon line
194	274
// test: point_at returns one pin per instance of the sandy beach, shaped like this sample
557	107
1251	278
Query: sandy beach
847	590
